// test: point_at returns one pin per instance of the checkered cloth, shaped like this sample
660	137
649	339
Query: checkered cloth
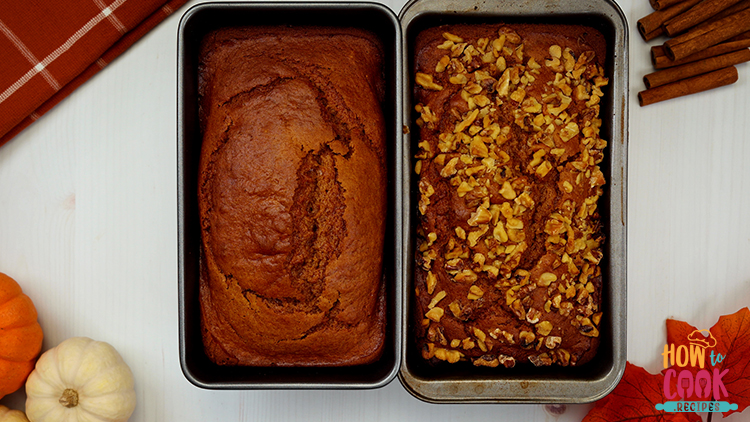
49	48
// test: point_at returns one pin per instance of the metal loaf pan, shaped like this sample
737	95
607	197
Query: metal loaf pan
462	383
195	23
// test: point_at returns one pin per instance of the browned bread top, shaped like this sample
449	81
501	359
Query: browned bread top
292	196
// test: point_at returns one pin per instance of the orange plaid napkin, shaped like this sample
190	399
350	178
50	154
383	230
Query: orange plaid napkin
50	48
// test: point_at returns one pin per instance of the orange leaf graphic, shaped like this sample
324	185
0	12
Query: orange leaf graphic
634	400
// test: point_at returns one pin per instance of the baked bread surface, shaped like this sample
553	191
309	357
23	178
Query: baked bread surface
509	237
292	190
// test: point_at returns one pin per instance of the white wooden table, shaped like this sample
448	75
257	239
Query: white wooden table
88	212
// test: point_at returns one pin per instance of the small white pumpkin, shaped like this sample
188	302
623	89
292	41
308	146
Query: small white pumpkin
80	380
7	415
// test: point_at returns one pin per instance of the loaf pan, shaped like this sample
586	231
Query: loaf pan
461	382
195	23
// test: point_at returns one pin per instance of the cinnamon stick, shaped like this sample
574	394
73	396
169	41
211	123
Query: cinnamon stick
661	61
698	39
658	56
662	4
653	21
742	36
742	5
697	14
653	34
677	73
688	86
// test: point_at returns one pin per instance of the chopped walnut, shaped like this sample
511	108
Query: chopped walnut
451	356
486	360
431	282
532	316
426	82
507	361
552	341
435	314
544	328
541	360
546	279
527	338
475	292
435	300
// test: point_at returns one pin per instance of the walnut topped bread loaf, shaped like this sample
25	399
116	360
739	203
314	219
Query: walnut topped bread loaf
509	236
292	192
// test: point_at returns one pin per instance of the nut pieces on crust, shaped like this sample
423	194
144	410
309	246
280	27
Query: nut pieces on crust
509	235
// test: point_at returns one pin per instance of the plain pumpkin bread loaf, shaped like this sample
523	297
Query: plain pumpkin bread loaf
292	192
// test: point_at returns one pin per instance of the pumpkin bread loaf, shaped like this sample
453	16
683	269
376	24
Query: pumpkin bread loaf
509	237
292	190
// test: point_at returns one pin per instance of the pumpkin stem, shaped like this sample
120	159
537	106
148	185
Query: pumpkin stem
69	398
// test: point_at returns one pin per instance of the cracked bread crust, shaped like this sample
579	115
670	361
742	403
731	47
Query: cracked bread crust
509	237
292	192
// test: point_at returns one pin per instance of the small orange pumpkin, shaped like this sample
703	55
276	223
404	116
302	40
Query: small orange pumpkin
20	336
